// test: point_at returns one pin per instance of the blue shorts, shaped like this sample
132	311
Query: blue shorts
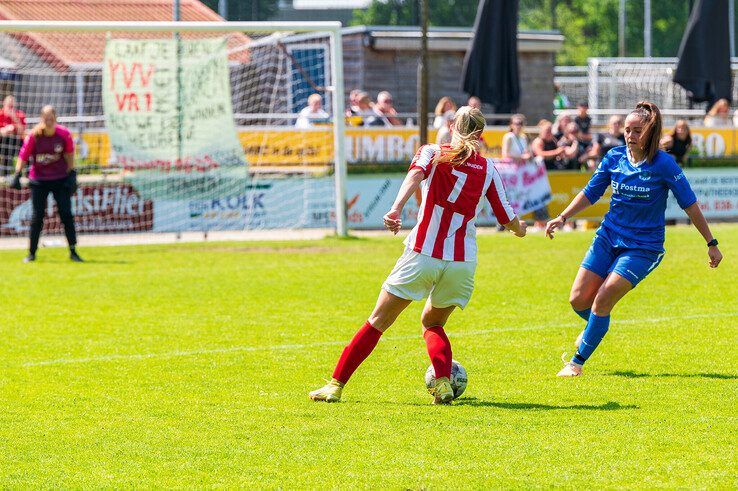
604	258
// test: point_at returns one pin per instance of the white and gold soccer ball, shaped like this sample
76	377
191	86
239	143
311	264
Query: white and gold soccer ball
458	378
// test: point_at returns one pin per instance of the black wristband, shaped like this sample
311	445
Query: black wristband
712	243
562	217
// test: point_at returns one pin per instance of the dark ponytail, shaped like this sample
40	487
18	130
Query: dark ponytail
651	117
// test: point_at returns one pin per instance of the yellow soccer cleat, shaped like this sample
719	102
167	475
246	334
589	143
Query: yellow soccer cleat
441	391
331	392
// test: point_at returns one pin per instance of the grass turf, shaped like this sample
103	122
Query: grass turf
189	366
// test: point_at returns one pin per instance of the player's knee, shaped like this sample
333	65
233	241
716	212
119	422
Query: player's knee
427	319
380	321
603	303
579	301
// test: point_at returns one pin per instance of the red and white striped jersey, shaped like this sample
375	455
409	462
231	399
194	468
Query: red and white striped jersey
452	199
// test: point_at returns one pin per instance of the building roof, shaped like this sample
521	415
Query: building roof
448	38
63	50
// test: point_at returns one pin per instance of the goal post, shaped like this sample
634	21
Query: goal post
283	64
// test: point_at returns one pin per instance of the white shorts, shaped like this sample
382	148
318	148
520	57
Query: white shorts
416	276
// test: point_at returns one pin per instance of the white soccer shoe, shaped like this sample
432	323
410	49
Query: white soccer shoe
331	392
570	369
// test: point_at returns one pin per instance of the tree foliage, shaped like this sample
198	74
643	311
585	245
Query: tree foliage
590	27
456	13
247	10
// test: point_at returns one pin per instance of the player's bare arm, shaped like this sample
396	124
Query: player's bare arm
698	219
579	203
517	227
393	218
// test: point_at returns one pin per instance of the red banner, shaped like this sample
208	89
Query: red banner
97	208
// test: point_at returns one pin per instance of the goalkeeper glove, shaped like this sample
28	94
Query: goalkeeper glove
71	182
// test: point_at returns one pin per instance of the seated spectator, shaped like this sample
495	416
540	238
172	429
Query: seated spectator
718	115
443	137
12	131
584	121
313	113
546	147
604	142
515	143
384	112
445	105
678	142
577	151
560	124
353	104
361	110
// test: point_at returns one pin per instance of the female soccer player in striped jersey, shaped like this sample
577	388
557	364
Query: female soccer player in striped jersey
630	242
440	253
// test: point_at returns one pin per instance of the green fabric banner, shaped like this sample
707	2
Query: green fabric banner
170	111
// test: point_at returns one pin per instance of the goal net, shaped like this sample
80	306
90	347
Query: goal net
181	127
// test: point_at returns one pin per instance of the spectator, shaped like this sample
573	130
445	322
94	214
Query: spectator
545	147
559	126
445	105
445	111
515	143
584	121
678	142
384	112
577	151
49	150
476	103
560	99
12	131
313	113
353	104
718	115
361	110
613	138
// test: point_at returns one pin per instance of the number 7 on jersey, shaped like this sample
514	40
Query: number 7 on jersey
456	191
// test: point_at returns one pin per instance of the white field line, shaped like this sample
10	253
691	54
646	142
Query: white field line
282	347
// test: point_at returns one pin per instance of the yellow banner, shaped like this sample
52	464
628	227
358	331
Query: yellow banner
566	185
287	146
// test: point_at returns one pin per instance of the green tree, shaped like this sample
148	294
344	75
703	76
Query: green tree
247	10
451	13
590	27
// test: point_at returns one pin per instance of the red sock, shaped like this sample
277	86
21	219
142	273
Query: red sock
356	352
439	350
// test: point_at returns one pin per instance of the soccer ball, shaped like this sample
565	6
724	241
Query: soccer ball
458	378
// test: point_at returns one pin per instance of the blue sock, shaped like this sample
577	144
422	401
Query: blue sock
584	314
593	334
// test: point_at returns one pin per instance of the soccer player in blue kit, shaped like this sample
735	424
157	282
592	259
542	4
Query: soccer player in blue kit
630	242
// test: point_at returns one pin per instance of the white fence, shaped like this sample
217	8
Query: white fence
615	85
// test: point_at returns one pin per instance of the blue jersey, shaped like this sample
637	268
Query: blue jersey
639	192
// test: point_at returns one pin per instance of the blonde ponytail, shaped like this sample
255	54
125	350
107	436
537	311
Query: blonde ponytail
467	129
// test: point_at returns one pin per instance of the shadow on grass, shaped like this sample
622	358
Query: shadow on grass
608	406
632	374
103	261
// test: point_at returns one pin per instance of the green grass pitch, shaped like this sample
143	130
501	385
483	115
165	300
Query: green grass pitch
189	366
